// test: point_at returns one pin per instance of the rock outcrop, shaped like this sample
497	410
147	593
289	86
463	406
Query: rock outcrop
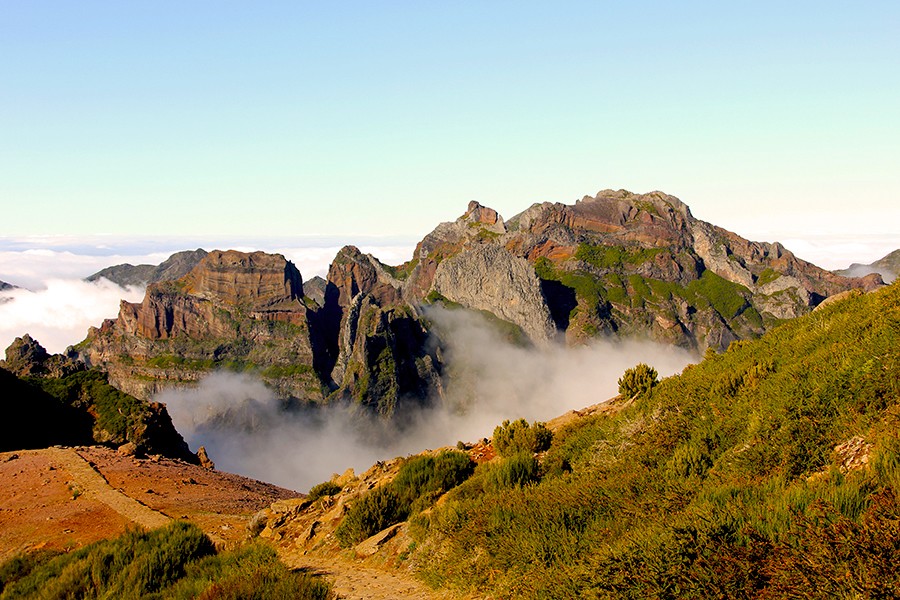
176	266
377	350
26	357
6	286
487	277
234	310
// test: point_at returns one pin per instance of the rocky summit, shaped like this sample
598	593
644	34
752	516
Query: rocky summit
620	264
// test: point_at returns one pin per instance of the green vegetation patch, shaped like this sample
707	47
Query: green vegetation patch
117	413
767	276
727	298
609	257
174	562
729	480
518	436
420	481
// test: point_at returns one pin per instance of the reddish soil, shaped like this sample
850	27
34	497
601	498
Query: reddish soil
57	498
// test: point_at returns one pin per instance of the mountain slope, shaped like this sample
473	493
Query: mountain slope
771	470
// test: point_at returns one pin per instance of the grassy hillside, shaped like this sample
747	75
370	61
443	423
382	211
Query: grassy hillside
771	470
177	561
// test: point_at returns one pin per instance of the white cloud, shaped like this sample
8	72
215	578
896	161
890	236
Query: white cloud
60	314
245	429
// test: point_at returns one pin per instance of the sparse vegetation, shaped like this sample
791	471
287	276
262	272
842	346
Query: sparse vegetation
177	561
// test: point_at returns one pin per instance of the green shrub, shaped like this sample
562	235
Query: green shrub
638	381
516	470
373	511
326	488
513	437
173	562
420	481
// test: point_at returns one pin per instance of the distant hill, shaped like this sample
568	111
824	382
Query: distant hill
888	267
6	286
771	470
174	267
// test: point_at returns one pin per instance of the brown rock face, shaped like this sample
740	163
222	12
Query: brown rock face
236	310
353	272
256	280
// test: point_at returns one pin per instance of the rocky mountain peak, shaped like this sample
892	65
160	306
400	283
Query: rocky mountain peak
482	215
25	356
353	272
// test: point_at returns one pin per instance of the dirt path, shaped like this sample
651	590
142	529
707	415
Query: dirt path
352	582
90	483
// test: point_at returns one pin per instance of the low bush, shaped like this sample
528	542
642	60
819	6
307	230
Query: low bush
638	381
420	481
511	438
326	488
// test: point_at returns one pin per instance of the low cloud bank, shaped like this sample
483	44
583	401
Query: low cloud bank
246	430
863	270
60	314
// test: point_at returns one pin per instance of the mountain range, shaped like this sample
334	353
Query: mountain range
769	469
616	264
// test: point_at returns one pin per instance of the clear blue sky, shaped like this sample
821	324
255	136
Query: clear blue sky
281	118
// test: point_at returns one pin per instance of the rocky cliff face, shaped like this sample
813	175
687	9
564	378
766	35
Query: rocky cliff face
377	349
487	277
248	312
234	311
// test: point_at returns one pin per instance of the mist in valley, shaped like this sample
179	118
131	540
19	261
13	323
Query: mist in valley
488	379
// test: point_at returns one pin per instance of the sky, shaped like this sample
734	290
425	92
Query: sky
384	118
132	130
